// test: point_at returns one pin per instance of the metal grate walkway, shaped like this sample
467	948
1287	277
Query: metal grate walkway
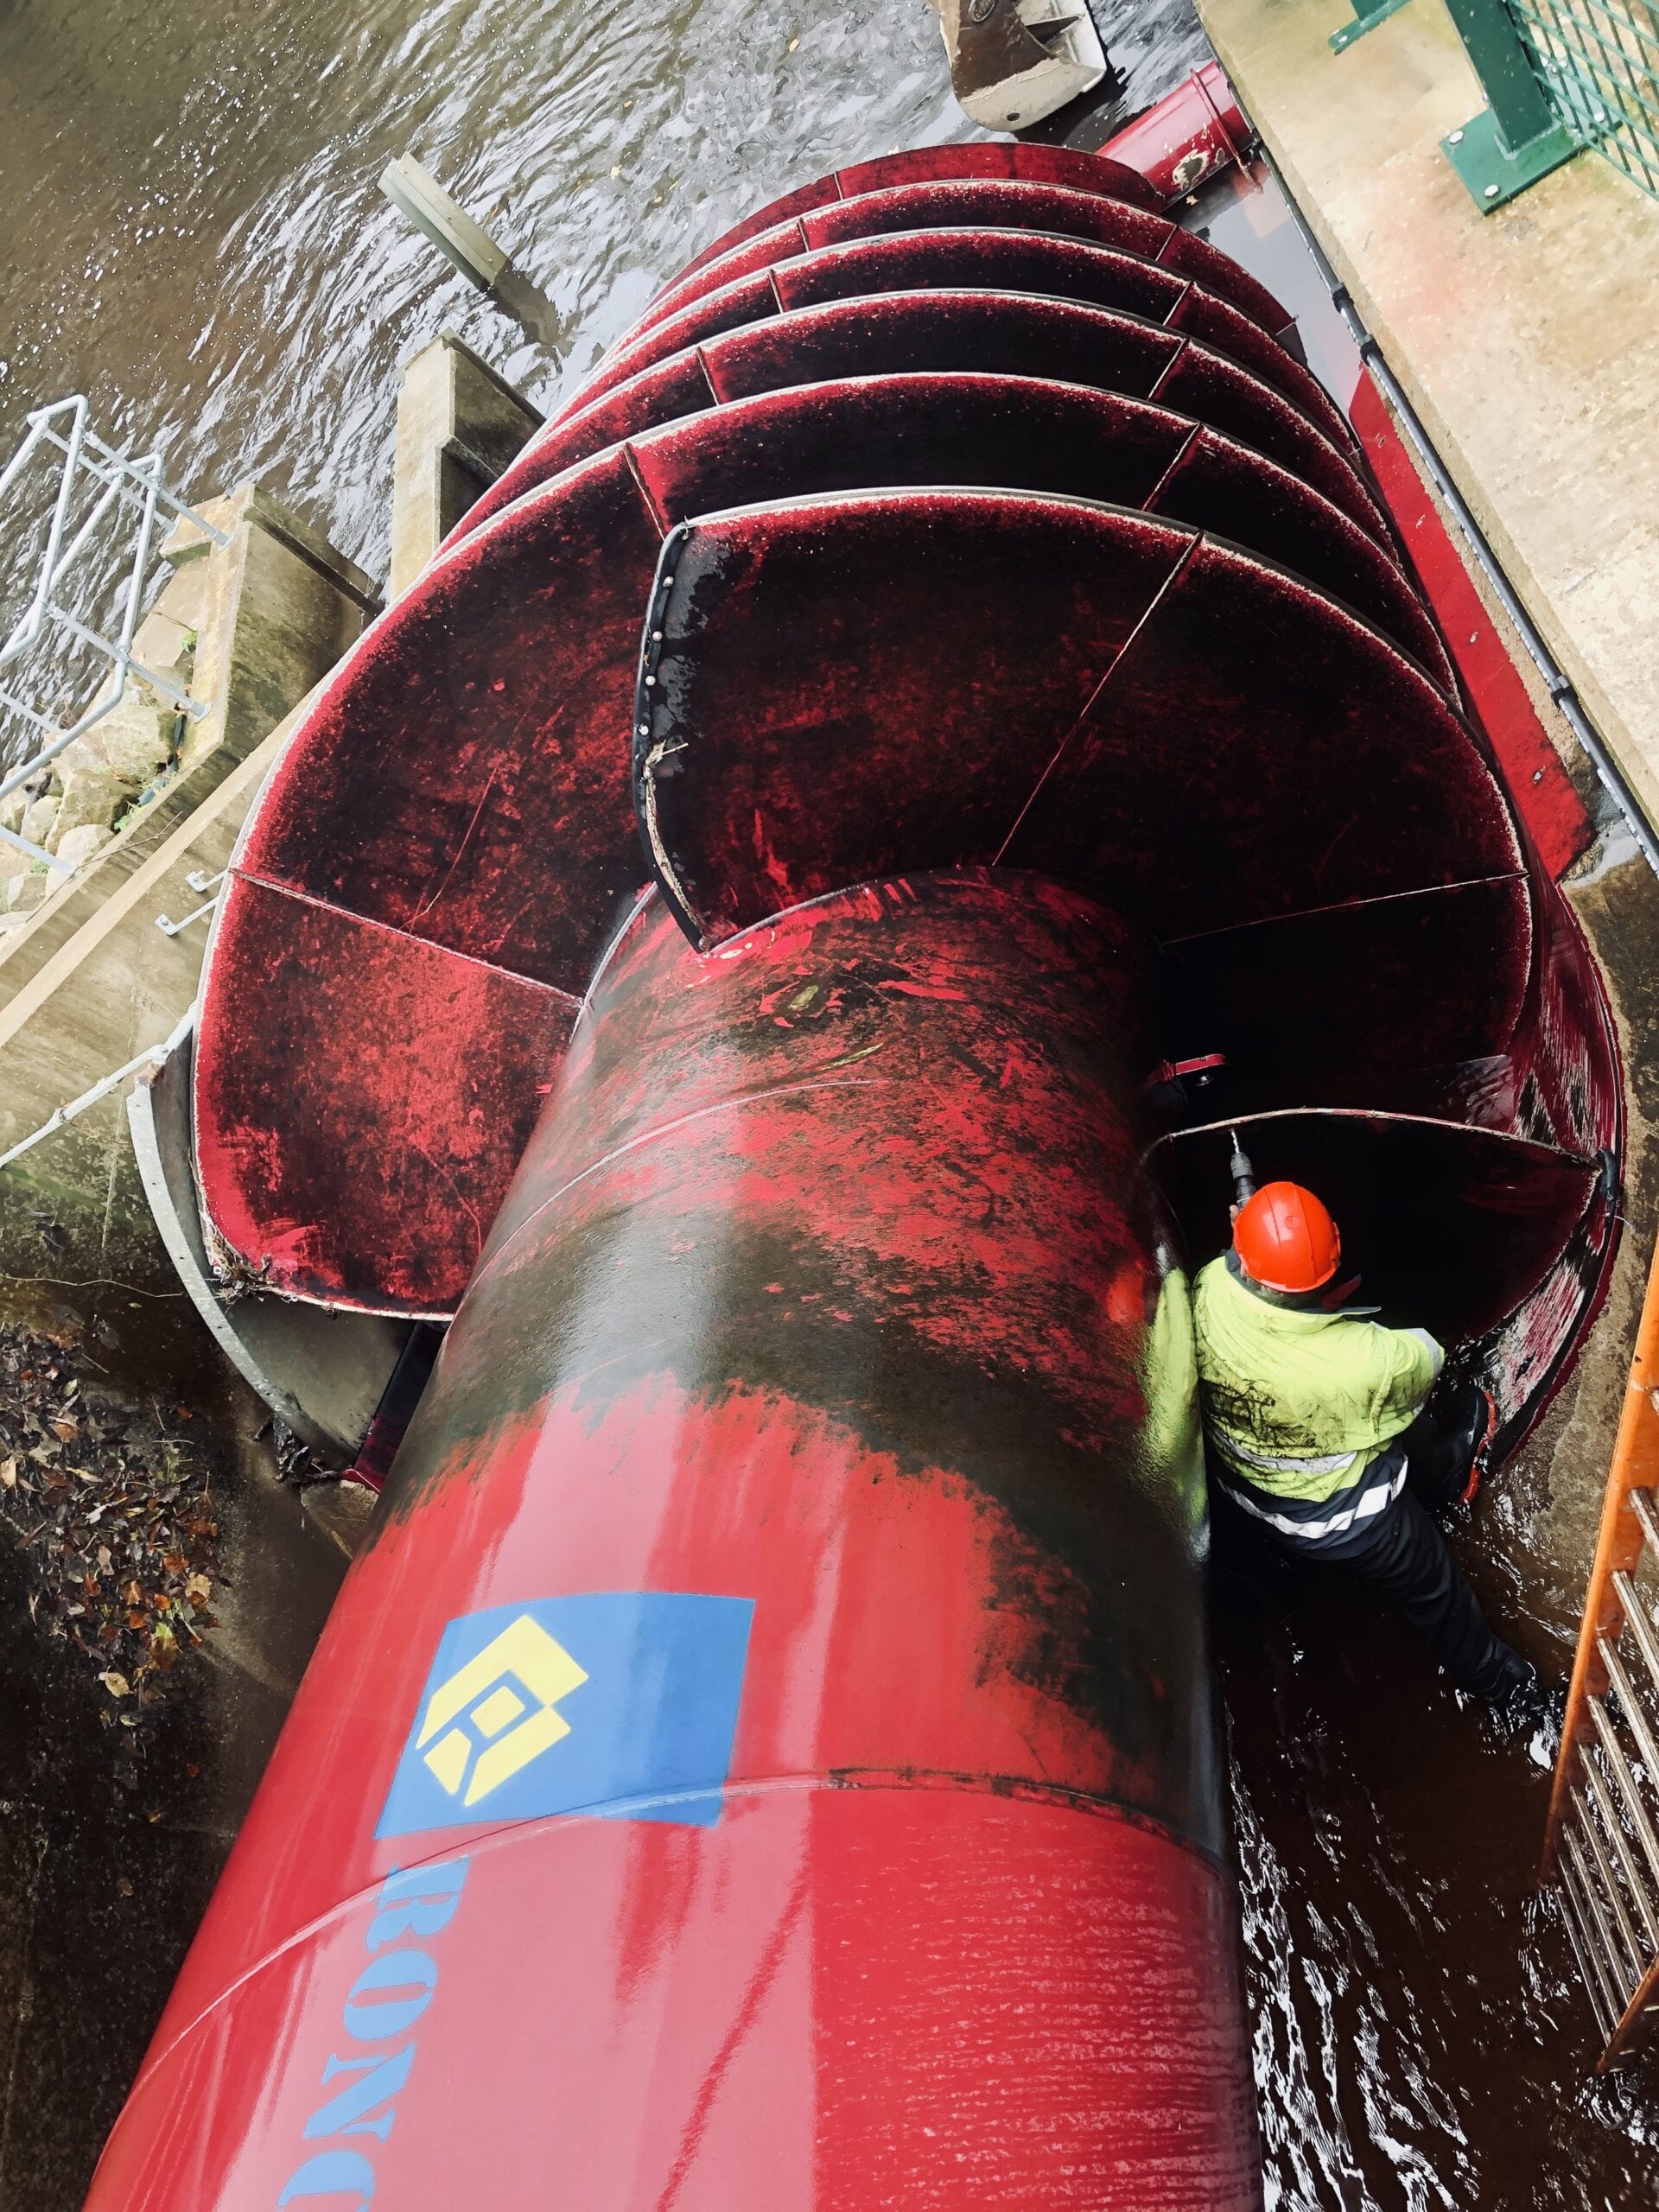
1601	1848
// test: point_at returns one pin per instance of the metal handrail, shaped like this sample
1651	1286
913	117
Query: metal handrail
125	482
75	1107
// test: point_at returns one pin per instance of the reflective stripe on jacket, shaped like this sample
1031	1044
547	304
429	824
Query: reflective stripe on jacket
1372	1491
1297	1401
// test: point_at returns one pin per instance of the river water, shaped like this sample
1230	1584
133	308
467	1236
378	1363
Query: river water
1420	2042
193	237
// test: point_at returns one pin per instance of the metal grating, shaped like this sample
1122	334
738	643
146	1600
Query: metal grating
1602	1844
96	553
1599	63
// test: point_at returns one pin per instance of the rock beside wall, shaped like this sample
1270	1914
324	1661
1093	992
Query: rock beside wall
80	799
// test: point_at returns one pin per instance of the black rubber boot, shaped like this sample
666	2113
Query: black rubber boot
1526	1707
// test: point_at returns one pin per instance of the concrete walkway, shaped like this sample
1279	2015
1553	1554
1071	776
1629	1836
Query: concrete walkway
1527	339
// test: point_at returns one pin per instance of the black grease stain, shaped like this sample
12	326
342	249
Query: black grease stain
1094	1556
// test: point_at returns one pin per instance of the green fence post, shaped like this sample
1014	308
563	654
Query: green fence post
1368	14
1518	137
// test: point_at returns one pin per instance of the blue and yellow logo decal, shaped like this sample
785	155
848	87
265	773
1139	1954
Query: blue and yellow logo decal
622	1705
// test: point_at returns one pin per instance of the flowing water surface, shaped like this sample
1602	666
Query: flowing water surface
1420	2042
194	237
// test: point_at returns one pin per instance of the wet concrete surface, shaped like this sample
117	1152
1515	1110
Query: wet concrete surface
194	238
1525	335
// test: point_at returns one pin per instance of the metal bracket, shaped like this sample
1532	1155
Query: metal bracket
1365	19
197	882
1521	134
1494	172
76	1107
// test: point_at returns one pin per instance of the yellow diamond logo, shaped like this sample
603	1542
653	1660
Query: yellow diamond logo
498	1713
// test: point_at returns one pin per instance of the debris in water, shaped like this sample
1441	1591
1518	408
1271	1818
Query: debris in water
298	1463
114	1514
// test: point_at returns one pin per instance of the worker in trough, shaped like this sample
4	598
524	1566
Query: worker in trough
1327	1431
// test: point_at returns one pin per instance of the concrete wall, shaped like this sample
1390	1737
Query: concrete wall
272	612
1526	338
76	1234
87	981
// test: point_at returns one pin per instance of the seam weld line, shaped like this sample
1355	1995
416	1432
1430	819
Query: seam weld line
665	1129
1012	1790
409	937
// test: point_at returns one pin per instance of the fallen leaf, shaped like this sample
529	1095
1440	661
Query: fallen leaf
8	1473
117	1685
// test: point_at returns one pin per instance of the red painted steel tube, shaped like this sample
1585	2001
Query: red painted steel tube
830	1306
1187	137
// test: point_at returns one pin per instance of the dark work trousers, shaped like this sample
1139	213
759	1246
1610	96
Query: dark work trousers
1401	1554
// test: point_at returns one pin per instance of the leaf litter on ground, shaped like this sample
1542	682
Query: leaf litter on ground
111	1505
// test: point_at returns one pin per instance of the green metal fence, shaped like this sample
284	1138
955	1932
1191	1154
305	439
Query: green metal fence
1598	61
1559	75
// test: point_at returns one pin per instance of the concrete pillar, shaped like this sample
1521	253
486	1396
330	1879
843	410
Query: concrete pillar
459	424
272	612
280	606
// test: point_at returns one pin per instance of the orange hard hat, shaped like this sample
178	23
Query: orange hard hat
1286	1240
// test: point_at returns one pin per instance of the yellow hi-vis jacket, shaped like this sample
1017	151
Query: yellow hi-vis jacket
1298	1403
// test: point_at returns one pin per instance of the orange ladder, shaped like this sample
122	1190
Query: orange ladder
1601	1846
